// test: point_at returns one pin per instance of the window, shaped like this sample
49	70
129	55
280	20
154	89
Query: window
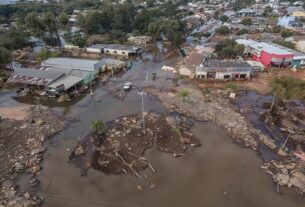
226	76
243	76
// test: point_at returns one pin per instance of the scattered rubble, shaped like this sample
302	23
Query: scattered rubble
216	107
290	174
120	149
21	148
211	107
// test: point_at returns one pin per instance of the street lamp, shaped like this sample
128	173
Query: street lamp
142	93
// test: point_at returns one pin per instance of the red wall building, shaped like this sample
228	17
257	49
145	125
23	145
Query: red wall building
274	59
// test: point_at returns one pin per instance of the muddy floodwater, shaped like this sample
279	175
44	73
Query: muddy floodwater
219	173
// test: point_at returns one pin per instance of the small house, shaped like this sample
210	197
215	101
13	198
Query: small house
213	69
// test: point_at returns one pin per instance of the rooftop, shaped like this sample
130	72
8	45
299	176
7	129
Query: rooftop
73	63
225	63
117	47
34	76
267	47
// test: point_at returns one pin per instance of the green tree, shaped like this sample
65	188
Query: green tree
285	43
246	21
286	33
154	29
5	56
51	25
35	24
63	19
224	30
224	18
229	48
178	39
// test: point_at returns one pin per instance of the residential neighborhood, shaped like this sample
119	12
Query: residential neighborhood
152	103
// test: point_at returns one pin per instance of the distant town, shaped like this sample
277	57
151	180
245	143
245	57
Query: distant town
121	102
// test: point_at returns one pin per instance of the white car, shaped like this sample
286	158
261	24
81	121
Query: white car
127	86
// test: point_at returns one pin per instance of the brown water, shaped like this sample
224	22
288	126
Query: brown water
199	178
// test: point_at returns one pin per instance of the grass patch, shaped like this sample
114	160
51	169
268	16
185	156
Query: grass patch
231	86
184	94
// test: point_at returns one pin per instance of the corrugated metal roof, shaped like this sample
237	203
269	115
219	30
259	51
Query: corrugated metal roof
214	65
74	63
67	81
34	77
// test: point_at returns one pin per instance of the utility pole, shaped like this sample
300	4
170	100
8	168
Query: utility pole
142	93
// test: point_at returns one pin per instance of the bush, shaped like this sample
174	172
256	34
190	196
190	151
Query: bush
288	88
45	54
286	33
246	21
184	93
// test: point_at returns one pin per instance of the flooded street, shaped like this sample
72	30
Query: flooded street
219	173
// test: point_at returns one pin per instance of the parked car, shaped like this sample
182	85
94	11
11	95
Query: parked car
127	86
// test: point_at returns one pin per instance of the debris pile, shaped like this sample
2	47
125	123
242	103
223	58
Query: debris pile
289	118
21	148
290	174
211	107
120	148
12	196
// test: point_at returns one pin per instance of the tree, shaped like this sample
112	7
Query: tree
63	19
178	39
229	48
224	18
51	24
224	30
285	43
5	56
246	21
154	29
90	23
34	23
286	33
242	32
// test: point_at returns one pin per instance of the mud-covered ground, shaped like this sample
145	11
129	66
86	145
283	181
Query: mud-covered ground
21	148
289	118
121	147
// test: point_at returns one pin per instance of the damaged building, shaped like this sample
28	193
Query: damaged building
213	69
